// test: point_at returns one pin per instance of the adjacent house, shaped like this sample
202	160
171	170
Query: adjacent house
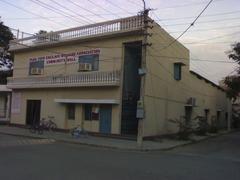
5	102
92	76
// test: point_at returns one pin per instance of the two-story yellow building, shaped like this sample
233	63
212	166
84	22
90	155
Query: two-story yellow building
91	76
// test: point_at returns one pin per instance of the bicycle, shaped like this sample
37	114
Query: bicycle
49	124
78	132
36	128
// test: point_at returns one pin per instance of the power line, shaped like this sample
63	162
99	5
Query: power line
192	24
29	12
191	17
82	17
211	61
213	38
202	22
186	5
85	9
97	5
53	9
203	40
192	59
58	17
206	43
169	57
179	81
216	28
55	52
58	11
119	7
135	3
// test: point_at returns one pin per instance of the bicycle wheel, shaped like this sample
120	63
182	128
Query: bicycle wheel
32	129
40	131
53	126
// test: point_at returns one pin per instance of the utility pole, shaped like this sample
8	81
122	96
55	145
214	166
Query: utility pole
141	107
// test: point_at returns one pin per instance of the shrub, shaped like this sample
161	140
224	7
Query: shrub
214	125
202	125
185	128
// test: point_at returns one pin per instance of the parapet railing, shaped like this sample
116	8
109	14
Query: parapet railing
119	25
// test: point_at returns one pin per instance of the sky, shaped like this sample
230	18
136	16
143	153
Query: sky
208	40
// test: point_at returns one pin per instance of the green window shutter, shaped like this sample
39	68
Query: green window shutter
177	71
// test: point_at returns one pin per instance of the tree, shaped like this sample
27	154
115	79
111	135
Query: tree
5	36
5	57
233	82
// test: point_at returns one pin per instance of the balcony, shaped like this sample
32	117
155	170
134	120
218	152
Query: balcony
119	26
83	79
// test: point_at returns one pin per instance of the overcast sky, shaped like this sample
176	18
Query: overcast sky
209	39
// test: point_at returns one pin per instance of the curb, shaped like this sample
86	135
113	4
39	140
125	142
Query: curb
21	135
200	140
122	148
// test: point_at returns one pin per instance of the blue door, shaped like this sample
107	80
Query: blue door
105	119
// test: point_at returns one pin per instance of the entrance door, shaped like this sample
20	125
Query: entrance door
131	87
33	112
105	119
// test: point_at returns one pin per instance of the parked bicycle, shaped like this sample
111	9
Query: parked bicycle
78	132
49	124
36	128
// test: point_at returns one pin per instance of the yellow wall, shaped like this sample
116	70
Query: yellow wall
165	97
110	58
51	108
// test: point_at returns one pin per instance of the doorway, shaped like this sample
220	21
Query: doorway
33	112
188	114
131	87
105	119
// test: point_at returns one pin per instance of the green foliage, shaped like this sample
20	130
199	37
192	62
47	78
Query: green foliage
185	128
5	36
202	126
41	32
233	82
233	86
214	125
234	54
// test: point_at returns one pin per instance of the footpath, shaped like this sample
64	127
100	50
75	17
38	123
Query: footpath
107	142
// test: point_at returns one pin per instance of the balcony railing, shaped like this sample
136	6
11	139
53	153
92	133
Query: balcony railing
98	29
84	79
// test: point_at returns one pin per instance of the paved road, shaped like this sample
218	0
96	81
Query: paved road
25	158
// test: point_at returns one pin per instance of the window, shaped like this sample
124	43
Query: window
177	71
36	66
91	112
71	111
87	111
206	111
88	62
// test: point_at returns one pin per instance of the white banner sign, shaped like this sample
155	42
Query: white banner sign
64	58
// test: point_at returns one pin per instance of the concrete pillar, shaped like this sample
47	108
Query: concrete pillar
8	109
229	120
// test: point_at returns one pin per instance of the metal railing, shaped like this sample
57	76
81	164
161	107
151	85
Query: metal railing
109	78
114	26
